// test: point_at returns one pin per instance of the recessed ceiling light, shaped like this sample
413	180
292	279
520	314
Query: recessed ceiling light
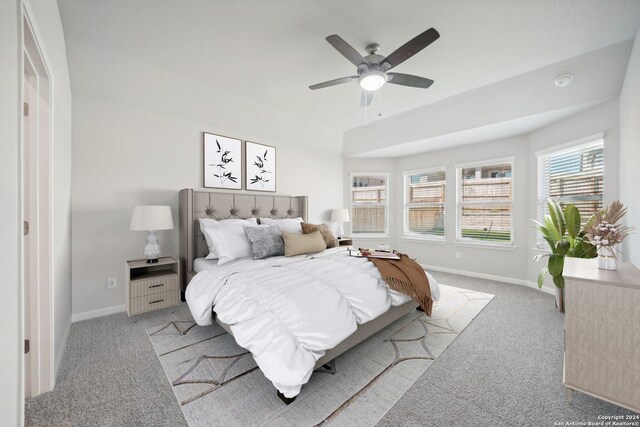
564	80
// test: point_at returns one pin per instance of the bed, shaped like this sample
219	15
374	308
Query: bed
238	289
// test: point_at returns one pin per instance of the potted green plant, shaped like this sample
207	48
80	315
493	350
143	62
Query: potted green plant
562	230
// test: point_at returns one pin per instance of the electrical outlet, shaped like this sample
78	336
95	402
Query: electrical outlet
112	282
458	255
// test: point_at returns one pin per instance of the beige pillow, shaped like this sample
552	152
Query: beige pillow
327	234
296	244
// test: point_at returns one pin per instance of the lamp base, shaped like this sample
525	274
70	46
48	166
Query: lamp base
152	248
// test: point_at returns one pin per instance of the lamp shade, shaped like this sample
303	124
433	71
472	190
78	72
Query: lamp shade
151	218
339	215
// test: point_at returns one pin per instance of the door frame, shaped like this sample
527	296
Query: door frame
39	307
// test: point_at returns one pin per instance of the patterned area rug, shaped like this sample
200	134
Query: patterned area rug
217	382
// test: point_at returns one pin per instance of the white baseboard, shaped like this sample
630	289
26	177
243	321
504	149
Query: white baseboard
77	317
493	277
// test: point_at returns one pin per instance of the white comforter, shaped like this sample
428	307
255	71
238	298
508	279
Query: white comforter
277	308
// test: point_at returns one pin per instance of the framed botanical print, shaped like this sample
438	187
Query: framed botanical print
260	167
222	162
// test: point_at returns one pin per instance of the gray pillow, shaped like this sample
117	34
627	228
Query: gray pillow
265	241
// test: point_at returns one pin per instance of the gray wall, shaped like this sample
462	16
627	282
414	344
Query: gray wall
125	156
48	26
630	151
11	391
515	263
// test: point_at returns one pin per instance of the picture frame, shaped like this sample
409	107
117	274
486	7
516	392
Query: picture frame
260	167
222	162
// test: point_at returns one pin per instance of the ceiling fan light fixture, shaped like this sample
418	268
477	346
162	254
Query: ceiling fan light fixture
372	80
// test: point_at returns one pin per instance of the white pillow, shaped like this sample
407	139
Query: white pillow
230	242
291	225
210	223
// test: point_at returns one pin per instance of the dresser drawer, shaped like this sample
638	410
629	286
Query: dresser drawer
154	302
154	286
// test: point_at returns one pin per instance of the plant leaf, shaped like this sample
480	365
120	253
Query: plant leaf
551	244
556	264
562	247
218	144
558	281
553	231
572	218
557	217
538	257
541	277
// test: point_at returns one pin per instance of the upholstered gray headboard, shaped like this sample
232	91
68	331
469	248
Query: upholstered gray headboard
207	204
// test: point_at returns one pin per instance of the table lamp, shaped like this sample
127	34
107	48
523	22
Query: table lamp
151	219
340	216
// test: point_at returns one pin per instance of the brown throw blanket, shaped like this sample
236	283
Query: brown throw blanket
404	275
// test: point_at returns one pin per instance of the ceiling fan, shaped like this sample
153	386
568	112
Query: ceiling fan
373	69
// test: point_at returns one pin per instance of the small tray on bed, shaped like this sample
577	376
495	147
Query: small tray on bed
366	253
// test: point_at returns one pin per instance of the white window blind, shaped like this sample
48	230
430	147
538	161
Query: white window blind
369	204
424	204
485	197
572	176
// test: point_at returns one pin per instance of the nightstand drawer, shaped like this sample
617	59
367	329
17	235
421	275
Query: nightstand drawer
154	286
154	302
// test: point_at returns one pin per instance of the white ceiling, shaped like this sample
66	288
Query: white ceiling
271	51
479	134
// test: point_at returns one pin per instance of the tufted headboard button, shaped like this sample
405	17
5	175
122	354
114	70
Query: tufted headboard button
290	212
254	211
208	211
274	212
233	211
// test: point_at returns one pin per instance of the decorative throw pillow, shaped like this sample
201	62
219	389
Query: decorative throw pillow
230	242
214	223
265	241
296	244
286	224
324	229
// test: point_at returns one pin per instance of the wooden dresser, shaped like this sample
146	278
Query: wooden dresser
602	332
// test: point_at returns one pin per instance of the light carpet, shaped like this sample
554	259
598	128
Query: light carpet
216	382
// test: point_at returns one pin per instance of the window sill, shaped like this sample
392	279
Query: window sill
370	237
497	246
424	240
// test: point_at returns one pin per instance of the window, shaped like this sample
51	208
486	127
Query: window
485	197
572	176
370	204
424	204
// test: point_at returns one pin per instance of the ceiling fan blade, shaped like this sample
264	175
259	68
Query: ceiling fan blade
411	47
366	98
332	82
346	50
409	80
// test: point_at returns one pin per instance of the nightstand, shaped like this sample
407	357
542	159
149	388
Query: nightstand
152	286
345	241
